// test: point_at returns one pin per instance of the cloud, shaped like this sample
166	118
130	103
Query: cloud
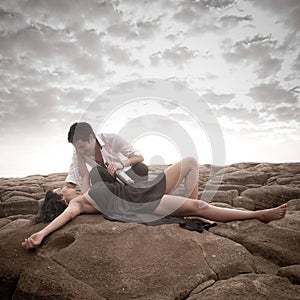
218	99
209	16
257	50
124	29
120	56
190	11
177	55
288	10
232	20
296	63
75	16
11	21
147	29
139	30
286	114
218	4
272	93
45	48
242	116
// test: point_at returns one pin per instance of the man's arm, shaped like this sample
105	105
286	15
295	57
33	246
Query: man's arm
133	160
84	173
119	145
73	178
70	185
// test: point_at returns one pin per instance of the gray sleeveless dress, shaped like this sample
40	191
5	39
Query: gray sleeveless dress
127	202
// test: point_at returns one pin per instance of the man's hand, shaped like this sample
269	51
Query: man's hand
33	241
113	167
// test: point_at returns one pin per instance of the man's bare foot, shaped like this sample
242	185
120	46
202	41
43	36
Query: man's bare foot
272	214
200	219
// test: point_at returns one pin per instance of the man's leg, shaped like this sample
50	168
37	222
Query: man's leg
138	172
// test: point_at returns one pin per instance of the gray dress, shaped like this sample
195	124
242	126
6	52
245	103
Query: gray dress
135	202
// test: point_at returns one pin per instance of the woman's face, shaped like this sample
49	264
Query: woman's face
67	194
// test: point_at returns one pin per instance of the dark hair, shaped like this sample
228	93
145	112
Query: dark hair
51	207
80	131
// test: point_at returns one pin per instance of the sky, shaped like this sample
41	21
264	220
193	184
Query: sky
63	61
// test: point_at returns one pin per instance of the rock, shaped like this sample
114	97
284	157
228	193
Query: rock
294	204
3	222
141	261
218	196
290	272
14	225
19	207
21	216
92	258
243	177
53	185
225	187
270	196
239	260
27	191
264	265
47	280
195	293
244	202
284	180
251	287
18	198
273	242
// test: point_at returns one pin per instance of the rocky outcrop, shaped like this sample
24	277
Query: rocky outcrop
93	258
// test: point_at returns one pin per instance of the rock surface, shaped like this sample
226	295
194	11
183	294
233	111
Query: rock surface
93	258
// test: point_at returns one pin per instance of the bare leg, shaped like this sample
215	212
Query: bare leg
186	170
181	207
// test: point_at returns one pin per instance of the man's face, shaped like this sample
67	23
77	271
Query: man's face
84	147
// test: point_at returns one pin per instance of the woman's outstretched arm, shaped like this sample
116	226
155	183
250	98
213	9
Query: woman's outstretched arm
74	209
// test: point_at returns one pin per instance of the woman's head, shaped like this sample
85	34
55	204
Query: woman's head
51	207
55	203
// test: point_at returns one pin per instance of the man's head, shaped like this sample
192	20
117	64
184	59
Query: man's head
83	138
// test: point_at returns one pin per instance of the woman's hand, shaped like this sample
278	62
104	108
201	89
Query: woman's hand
33	241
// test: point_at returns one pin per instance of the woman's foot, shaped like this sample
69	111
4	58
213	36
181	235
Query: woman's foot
272	214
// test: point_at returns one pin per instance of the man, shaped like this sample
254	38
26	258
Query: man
106	153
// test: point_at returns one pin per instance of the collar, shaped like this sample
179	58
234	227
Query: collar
99	139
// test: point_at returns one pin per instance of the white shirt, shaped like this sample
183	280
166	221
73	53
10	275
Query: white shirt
114	149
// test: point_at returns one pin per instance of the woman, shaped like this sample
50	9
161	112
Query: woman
99	196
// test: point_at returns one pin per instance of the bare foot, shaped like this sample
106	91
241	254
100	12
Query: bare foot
200	219
272	214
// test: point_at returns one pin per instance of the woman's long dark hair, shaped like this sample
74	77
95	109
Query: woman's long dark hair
51	207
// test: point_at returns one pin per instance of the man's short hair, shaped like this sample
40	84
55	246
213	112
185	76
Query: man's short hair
80	131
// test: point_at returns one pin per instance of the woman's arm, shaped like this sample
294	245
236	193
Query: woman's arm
74	209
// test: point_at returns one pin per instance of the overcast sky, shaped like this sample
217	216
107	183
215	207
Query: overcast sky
58	56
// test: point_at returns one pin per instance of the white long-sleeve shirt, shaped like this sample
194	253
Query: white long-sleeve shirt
114	149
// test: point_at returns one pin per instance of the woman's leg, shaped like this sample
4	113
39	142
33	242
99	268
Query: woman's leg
187	170
182	207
